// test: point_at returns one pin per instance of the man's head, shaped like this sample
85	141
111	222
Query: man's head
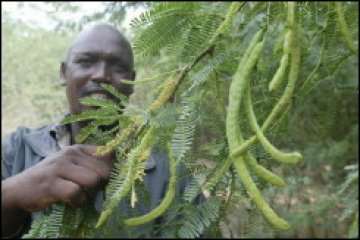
99	54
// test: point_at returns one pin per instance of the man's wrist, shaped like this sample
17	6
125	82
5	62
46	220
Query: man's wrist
8	194
12	216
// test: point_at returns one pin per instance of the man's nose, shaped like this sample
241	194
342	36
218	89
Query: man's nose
101	72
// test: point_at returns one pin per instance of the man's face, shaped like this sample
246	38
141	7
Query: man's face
98	56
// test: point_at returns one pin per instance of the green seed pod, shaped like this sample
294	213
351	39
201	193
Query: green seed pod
294	157
136	156
281	104
288	42
291	13
116	198
230	15
263	172
343	26
279	75
165	203
236	91
255	194
256	38
237	88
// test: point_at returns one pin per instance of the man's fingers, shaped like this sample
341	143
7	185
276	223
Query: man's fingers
101	168
69	192
90	150
83	176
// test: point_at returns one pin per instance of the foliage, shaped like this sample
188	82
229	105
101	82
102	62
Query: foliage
320	120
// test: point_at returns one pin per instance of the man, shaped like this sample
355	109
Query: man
43	166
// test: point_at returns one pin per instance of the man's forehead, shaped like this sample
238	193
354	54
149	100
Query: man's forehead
99	42
101	39
88	48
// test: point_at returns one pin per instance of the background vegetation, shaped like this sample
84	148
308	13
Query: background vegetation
321	199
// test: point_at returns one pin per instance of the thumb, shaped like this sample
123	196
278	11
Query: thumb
91	150
108	157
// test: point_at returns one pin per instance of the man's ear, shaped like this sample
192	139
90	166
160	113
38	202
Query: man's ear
62	80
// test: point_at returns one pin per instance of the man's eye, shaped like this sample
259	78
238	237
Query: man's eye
86	62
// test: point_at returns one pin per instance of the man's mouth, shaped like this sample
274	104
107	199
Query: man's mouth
98	96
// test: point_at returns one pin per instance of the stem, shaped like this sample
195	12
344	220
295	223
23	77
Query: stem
219	96
316	68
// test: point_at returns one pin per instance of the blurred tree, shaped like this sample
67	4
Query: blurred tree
31	93
114	12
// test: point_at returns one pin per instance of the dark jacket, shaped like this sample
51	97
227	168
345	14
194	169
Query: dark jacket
26	147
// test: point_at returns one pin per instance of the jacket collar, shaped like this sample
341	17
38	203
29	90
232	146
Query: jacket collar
47	140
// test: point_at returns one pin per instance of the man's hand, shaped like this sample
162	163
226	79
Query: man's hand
70	176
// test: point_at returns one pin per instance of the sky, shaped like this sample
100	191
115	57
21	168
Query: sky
34	13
